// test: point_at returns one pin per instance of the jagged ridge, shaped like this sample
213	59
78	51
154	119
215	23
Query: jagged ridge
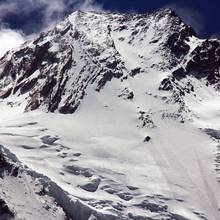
55	70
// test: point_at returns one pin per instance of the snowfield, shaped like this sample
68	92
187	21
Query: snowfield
127	152
107	151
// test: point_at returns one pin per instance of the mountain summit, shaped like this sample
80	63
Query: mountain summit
90	49
111	116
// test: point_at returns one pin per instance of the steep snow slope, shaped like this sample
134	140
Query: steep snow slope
143	140
22	194
89	48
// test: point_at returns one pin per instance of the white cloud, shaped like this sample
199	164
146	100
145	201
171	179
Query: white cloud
26	7
9	39
54	11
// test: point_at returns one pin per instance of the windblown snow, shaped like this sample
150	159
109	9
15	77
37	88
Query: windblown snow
132	147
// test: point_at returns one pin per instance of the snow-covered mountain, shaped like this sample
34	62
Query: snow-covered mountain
111	116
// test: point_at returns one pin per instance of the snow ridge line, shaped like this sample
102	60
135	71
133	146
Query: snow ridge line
73	208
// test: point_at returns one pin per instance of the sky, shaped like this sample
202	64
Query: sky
21	20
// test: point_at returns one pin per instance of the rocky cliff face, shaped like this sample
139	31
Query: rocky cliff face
204	63
141	138
55	70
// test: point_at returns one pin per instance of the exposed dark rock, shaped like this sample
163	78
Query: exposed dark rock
34	103
49	140
5	212
27	86
91	186
179	217
125	196
68	109
147	139
38	57
52	72
177	43
153	206
204	64
107	75
77	154
127	94
179	73
7	168
146	120
48	87
132	188
135	71
112	65
5	94
213	133
53	61
76	170
206	59
166	85
3	162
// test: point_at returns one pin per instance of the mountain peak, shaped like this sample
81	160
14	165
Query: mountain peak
143	94
87	48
